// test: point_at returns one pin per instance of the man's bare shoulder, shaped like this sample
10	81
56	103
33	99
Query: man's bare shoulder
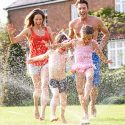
95	18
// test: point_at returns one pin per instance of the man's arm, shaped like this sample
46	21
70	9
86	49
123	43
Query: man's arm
71	32
100	53
106	35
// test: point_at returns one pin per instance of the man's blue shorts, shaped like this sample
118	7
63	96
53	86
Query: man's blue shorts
97	63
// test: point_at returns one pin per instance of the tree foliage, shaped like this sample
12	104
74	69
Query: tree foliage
16	60
15	85
115	21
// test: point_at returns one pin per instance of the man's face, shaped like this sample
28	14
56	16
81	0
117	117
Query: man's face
82	10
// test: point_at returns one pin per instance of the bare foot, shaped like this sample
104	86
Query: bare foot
85	121
36	114
93	112
42	117
52	119
63	120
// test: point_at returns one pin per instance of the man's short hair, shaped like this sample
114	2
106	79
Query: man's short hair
81	2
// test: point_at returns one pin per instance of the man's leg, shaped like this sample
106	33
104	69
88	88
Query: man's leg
96	82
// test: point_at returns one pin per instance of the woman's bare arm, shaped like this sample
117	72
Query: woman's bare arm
22	35
51	34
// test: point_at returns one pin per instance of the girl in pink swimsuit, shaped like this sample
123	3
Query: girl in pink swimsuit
83	66
83	58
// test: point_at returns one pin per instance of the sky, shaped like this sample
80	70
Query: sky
3	13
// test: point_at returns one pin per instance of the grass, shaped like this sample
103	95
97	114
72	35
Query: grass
106	115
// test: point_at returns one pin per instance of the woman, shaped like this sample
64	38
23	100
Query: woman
38	35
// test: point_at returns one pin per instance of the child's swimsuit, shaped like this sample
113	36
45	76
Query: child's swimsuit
61	85
83	58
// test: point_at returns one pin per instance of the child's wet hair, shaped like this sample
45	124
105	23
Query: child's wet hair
61	36
87	29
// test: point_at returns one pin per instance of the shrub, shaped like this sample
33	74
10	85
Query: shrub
16	60
16	87
113	20
16	93
112	84
72	93
114	100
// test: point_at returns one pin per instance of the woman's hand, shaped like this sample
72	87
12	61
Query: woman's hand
10	29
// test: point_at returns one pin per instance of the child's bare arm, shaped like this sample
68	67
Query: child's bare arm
66	44
100	53
38	58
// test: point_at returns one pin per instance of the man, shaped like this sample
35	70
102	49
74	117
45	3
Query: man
74	31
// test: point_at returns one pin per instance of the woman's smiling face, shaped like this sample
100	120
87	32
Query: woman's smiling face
38	19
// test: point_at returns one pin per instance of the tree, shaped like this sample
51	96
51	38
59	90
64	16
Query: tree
16	61
15	87
115	21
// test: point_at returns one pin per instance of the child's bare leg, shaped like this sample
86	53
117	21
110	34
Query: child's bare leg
63	103
93	97
80	81
36	94
54	103
88	86
45	91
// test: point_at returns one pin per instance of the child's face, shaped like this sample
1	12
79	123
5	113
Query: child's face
61	37
87	37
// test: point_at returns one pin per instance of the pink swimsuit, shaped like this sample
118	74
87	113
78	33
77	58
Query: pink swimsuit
83	58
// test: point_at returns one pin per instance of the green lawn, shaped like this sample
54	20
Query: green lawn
106	115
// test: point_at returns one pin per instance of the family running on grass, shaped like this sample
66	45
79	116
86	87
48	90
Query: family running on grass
48	57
